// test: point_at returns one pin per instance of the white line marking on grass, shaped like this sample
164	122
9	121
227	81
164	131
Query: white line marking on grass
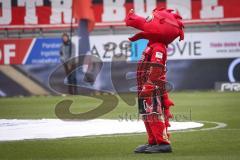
15	129
219	125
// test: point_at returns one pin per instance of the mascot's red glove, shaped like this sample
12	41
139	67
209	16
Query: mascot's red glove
167	103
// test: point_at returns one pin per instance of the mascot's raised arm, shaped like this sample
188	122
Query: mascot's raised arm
160	28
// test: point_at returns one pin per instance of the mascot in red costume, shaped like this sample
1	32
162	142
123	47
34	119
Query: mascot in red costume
160	28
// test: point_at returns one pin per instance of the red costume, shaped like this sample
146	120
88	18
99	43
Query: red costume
161	28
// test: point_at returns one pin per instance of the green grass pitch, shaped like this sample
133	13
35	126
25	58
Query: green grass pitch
223	143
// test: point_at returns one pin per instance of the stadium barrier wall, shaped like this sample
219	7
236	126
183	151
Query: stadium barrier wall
196	63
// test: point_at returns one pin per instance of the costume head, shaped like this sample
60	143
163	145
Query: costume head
161	26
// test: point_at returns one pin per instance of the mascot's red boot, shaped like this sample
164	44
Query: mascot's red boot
161	28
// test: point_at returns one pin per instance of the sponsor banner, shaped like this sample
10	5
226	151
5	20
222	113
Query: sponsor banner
108	46
44	51
31	51
206	45
57	13
227	86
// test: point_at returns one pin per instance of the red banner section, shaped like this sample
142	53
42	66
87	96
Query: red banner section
58	13
13	51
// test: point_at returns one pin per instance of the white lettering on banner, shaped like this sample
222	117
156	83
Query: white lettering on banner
8	52
51	45
61	9
191	49
108	46
113	10
203	45
211	9
6	17
182	6
139	7
230	87
30	17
